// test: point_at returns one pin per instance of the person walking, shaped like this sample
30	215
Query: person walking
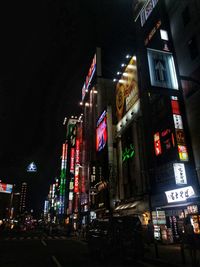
150	232
189	239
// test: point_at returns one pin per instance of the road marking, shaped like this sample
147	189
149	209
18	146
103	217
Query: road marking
56	261
44	243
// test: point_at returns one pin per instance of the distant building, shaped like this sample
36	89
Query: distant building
23	198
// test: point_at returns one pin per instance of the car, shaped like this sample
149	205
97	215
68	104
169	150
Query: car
116	238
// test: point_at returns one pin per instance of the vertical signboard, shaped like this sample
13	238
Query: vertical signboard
63	178
127	89
179	173
77	165
178	124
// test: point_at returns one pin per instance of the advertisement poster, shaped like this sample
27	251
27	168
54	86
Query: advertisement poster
127	89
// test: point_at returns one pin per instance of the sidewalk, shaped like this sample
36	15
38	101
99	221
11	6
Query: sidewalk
170	255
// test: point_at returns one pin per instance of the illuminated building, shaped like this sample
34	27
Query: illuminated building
23	198
168	156
5	200
184	23
132	195
98	160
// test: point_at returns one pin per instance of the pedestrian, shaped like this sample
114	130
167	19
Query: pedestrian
189	239
150	232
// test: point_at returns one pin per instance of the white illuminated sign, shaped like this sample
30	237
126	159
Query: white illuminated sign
31	167
178	123
71	195
179	172
180	194
162	69
164	35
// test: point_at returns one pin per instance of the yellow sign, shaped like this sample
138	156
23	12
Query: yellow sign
127	89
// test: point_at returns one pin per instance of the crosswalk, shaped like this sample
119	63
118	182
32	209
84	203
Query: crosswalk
23	238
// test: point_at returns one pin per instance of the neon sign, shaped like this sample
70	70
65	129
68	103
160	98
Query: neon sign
77	163
128	153
152	32
89	77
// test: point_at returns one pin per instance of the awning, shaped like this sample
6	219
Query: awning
175	205
131	205
135	207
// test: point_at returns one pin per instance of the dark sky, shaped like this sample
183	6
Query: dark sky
46	51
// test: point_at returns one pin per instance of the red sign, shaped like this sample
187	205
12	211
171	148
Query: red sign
157	144
175	107
77	160
72	160
76	180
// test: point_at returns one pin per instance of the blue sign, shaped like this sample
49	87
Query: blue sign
31	167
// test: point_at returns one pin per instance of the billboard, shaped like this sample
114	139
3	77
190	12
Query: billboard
101	132
127	89
6	188
162	69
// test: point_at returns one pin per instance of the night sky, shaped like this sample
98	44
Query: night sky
47	50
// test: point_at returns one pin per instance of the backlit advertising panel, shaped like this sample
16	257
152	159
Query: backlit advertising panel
178	121
183	154
162	69
180	194
6	188
157	144
127	89
179	173
101	132
72	160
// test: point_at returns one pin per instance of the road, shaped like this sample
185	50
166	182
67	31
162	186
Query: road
50	251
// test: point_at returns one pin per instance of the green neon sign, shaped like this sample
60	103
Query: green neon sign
128	153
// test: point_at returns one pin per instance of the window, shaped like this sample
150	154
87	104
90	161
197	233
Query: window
186	16
193	48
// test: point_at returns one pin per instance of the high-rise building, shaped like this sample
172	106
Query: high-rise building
23	198
185	28
169	164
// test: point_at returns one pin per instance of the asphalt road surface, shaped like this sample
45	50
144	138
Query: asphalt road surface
50	251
